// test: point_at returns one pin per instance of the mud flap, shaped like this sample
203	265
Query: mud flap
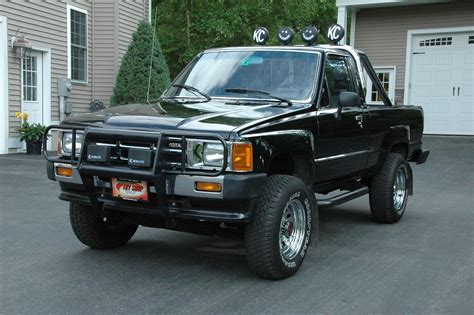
410	180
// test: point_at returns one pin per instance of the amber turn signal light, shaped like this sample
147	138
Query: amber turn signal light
242	157
205	186
64	171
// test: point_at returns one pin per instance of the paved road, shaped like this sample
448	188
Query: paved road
423	264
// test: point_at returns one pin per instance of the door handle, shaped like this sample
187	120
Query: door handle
459	88
454	89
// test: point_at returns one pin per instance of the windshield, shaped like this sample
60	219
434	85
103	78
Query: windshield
286	74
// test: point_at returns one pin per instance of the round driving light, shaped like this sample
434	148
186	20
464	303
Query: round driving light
285	35
260	35
335	33
309	34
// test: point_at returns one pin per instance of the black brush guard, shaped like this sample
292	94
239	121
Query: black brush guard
156	174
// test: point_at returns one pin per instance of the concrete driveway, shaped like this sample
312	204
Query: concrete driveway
423	264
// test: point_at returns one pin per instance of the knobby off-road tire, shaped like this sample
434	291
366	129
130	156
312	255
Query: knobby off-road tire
389	190
278	236
95	233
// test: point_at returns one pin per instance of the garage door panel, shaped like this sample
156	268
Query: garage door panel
466	126
468	75
444	59
443	75
440	107
423	76
466	108
469	57
441	91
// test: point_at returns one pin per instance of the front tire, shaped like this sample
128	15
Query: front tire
94	232
279	234
389	190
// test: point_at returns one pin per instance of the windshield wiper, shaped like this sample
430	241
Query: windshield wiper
246	91
192	89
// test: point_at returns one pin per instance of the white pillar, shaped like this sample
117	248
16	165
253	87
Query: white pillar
342	20
353	27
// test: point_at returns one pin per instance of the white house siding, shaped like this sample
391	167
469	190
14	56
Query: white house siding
382	32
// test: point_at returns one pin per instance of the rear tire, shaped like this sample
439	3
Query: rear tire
278	236
389	190
94	232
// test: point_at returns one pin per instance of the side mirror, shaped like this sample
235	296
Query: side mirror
347	99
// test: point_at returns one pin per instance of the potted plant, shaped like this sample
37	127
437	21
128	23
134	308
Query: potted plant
32	134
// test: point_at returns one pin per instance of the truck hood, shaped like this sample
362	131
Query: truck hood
214	116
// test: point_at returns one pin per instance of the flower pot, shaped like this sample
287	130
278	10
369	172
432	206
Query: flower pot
33	147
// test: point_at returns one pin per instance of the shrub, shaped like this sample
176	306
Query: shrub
131	85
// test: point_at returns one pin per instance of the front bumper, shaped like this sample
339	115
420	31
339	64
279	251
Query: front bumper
180	199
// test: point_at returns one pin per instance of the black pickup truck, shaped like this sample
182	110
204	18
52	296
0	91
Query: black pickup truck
240	145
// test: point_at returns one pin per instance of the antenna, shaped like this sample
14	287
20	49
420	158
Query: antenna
151	57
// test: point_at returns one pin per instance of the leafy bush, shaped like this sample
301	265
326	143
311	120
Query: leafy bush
131	85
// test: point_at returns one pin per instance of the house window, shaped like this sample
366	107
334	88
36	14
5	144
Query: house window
440	41
386	76
29	79
77	44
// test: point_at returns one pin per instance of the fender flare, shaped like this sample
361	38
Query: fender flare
399	134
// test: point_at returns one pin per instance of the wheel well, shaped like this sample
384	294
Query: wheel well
400	148
299	164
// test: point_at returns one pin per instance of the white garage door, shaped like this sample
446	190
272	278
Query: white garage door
442	81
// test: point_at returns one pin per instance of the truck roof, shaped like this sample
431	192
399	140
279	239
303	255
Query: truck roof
314	48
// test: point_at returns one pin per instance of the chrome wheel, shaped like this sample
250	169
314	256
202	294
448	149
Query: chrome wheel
399	190
292	229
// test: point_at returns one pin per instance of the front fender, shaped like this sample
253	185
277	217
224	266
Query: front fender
268	145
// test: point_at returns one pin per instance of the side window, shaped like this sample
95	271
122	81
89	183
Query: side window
337	79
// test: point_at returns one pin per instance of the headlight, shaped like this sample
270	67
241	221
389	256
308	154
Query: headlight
66	143
202	154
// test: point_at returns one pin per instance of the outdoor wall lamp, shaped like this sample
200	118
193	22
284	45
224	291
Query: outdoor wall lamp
21	47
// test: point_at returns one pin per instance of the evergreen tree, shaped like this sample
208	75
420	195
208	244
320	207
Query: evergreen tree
131	85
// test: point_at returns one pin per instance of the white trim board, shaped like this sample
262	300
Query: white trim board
149	10
384	3
4	85
410	34
47	106
353	28
68	30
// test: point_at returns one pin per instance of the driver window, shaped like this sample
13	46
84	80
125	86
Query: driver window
337	79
